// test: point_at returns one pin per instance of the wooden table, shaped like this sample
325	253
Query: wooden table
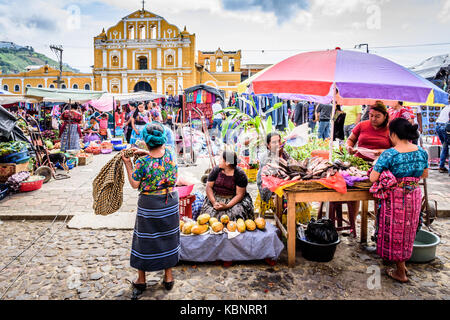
294	197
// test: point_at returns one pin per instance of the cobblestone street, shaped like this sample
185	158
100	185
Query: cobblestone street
94	264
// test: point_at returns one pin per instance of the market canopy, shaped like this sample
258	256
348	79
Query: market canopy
62	95
219	93
243	86
105	102
10	98
360	78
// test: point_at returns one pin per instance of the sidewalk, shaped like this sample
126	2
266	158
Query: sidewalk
74	196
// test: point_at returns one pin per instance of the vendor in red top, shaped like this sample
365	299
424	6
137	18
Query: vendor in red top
399	111
103	124
372	134
120	117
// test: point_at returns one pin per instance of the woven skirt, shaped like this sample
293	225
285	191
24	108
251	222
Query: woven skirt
397	224
70	138
156	238
243	209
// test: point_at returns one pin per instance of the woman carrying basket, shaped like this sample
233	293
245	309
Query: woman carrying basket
156	239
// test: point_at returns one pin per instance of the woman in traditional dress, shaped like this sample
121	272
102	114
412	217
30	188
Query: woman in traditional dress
156	239
140	118
70	132
226	190
396	177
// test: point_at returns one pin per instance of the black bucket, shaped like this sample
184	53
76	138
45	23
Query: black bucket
317	252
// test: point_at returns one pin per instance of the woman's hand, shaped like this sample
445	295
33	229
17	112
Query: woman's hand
126	161
351	150
139	152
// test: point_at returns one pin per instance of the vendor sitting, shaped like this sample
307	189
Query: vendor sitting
91	131
226	191
272	154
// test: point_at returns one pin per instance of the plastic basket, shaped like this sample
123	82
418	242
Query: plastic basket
32	186
15	157
4	191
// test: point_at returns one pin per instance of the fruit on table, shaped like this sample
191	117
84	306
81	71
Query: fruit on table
181	225
250	225
212	221
187	227
199	228
260	223
224	219
217	226
240	225
231	226
203	218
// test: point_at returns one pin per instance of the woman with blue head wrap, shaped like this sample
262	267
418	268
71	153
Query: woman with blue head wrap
155	175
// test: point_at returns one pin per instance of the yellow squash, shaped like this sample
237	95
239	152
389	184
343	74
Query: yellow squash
217	226
212	221
224	219
260	223
200	229
240	225
187	227
231	226
203	218
250	225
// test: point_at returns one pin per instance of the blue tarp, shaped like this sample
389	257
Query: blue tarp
250	245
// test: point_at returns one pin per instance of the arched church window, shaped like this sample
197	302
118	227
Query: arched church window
142	34
219	65
131	32
87	86
153	32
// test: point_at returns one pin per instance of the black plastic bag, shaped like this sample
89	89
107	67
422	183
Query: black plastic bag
321	231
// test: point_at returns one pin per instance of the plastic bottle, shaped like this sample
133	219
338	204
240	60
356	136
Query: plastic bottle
301	233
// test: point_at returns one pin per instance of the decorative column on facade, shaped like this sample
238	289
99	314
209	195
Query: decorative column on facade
180	57
105	59
158	56
124	83
104	82
69	80
22	87
125	59
159	83
180	85
46	81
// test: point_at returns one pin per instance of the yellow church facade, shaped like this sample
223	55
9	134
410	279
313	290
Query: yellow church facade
145	52
142	52
45	77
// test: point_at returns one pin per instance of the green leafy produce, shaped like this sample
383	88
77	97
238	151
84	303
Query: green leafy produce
343	155
7	148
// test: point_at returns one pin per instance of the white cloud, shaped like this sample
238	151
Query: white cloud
444	14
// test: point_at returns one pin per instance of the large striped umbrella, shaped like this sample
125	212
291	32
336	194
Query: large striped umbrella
359	78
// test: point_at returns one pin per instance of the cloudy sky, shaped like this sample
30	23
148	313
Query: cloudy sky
266	31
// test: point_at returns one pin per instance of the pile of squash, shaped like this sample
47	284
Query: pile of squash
205	221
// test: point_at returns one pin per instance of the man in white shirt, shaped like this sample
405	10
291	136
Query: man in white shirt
218	117
441	124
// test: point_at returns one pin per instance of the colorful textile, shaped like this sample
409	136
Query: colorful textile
156	173
398	220
70	138
409	164
156	237
401	113
137	136
197	204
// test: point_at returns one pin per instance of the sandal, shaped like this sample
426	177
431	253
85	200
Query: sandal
168	285
390	273
138	290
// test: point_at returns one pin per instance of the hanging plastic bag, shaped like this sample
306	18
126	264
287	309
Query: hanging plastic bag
321	231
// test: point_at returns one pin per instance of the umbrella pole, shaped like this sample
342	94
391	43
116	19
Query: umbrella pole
333	112
114	118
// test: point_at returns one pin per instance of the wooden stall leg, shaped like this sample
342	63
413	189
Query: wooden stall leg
292	234
364	212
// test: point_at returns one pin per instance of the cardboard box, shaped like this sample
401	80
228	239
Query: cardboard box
83	161
8	169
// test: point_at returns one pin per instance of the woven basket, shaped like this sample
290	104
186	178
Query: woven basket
306	186
363	184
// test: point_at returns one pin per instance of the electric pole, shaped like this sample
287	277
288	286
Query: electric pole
58	50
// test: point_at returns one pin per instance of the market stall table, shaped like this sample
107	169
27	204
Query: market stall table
250	245
294	197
